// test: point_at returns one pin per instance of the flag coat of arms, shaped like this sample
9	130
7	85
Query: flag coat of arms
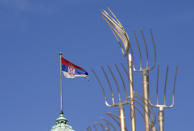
71	70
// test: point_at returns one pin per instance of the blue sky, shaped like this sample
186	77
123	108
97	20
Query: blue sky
33	32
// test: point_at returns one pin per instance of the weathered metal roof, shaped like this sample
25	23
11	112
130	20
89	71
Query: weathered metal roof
61	124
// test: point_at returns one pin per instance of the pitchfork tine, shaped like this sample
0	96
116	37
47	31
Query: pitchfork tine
109	85
154	46
123	82
125	69
146	47
114	16
100	124
150	108
95	127
165	85
138	45
113	116
89	128
117	85
99	82
115	33
142	99
109	123
174	87
142	115
157	99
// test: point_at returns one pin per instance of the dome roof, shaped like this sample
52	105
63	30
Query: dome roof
61	124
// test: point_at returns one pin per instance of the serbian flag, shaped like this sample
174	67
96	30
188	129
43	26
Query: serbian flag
71	70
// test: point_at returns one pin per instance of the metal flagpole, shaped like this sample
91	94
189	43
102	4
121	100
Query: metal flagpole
61	89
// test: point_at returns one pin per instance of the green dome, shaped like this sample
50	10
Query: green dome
61	124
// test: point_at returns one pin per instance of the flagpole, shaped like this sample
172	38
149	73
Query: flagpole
61	89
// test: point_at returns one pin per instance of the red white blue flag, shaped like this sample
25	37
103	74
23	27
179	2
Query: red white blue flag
71	70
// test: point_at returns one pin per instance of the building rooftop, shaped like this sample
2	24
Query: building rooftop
61	124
